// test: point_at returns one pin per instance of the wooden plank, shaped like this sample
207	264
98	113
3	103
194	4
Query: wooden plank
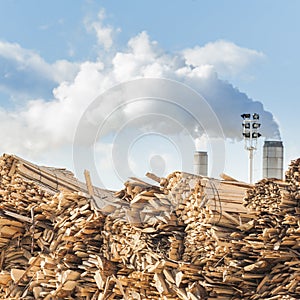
88	182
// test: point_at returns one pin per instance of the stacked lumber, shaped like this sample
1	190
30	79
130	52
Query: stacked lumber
292	176
54	262
184	237
226	249
49	232
176	234
211	211
270	195
273	237
50	179
145	240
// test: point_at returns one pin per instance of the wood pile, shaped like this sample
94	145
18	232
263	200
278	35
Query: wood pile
292	176
47	178
50	230
185	237
271	196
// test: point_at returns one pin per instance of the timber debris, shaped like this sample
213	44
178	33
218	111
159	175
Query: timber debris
182	237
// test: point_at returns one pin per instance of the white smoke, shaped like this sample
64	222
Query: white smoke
41	124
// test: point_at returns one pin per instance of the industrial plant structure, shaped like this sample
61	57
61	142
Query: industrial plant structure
200	163
273	159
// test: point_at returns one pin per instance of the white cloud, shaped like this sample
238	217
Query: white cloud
226	57
41	126
24	73
141	53
104	33
29	61
54	122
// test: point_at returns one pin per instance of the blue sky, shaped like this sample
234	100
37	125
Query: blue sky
56	57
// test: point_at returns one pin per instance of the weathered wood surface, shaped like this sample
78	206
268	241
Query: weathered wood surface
190	237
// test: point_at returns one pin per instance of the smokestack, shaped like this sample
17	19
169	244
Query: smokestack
200	163
273	159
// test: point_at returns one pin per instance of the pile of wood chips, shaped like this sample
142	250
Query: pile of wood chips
185	237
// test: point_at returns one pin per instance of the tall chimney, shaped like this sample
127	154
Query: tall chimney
273	159
200	163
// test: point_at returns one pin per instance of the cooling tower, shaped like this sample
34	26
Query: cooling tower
200	163
273	159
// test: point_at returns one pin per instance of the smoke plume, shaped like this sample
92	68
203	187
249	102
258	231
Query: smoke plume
42	124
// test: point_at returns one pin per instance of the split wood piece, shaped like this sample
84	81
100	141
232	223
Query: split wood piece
88	182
